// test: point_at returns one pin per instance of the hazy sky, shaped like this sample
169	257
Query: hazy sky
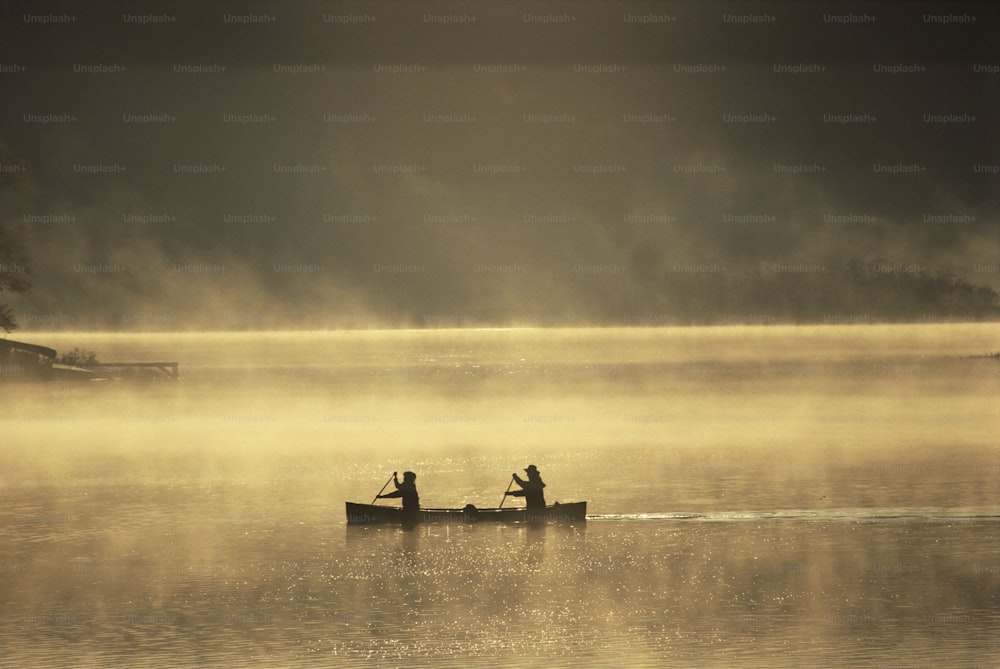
234	165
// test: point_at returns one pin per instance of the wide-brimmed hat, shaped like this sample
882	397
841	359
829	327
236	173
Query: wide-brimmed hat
531	468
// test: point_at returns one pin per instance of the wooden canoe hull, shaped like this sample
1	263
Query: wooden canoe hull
373	514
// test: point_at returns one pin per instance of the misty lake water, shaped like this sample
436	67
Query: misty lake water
759	496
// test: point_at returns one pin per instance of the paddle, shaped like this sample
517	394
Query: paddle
383	487
505	492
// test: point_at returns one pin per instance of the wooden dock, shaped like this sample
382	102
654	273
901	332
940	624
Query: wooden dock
117	370
31	362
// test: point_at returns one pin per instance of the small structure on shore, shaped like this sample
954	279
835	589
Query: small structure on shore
20	361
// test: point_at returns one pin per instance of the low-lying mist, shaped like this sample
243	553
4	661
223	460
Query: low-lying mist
340	411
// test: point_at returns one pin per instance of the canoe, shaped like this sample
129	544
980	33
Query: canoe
372	514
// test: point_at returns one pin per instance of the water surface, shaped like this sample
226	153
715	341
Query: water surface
760	496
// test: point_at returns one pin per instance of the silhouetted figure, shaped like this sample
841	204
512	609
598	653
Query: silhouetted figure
531	490
408	491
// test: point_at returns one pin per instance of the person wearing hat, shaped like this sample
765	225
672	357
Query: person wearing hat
531	490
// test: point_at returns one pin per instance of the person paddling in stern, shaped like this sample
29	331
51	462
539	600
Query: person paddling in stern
531	490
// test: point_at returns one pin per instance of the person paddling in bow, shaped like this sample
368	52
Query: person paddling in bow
408	491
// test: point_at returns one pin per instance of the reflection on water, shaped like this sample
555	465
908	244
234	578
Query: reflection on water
761	497
223	575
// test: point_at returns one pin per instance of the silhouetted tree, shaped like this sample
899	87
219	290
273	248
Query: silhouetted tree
79	357
14	273
856	291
